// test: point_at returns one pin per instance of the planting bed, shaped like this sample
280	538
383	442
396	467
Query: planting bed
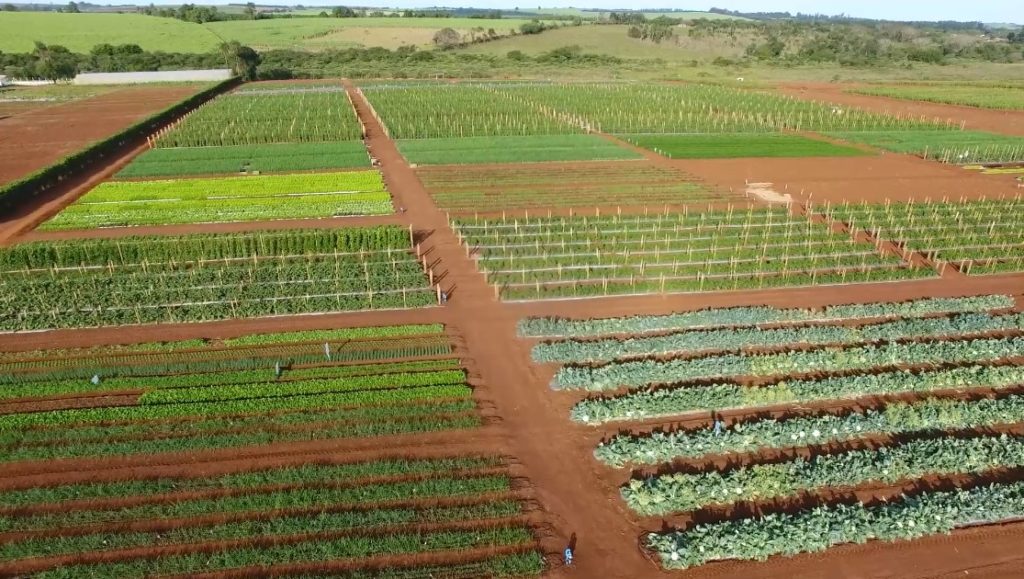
252	198
738	248
528	149
951	356
272	158
387	507
741	145
957	147
101	282
987	97
491	188
250	118
976	237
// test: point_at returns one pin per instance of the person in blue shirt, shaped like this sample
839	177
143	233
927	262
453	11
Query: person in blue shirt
567	556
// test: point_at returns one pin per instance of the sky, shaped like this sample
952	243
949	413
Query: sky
980	10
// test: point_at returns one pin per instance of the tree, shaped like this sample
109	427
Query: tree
343	12
532	27
447	38
9	8
250	11
242	59
54	62
72	8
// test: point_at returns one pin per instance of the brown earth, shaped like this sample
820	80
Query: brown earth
40	137
578	495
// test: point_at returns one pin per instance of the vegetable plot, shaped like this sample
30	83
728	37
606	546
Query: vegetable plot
272	158
242	118
205	277
976	237
539	258
745	317
758	538
258	198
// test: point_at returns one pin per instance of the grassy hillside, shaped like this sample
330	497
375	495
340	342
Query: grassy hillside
612	39
80	32
321	33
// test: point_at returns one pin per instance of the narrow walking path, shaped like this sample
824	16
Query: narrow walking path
553	454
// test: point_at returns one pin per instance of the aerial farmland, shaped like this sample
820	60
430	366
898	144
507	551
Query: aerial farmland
406	329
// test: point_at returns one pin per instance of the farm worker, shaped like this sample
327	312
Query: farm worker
444	297
718	426
567	556
95	379
277	369
327	351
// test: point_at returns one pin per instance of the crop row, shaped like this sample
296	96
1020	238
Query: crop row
760	435
750	316
438	410
273	158
668	402
960	233
266	118
989	97
636	374
942	457
693	342
809	531
231	407
145	250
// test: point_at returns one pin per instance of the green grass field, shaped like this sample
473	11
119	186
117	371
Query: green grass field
512	150
276	158
987	97
80	32
321	33
732	146
960	147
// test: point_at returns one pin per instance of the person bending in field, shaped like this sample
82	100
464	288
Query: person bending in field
567	557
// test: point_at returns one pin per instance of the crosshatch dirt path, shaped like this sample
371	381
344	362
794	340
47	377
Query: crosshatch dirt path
577	494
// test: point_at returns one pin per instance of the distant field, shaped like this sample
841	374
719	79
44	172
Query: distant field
732	146
321	33
51	92
80	32
613	40
512	149
274	158
987	97
959	147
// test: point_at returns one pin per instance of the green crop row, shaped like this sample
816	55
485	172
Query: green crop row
758	538
988	97
297	419
305	474
272	158
739	145
667	402
640	373
759	435
230	407
693	342
308	551
517	149
956	147
943	457
266	118
304	497
354	521
757	315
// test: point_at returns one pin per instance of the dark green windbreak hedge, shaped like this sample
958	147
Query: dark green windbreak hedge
48	177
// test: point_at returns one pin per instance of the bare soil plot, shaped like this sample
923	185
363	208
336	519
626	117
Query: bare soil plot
38	138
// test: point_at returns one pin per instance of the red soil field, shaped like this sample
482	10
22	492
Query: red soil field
37	138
